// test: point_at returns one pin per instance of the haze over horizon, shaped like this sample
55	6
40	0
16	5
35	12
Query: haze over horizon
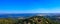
29	6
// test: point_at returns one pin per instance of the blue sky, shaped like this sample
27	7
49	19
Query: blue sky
29	6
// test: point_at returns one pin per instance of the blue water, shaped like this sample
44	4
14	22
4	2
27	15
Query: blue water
15	15
21	15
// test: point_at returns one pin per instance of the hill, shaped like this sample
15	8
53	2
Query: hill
37	20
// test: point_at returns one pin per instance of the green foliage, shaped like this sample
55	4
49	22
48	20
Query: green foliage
7	21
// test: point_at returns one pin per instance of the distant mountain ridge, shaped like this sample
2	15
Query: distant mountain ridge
25	15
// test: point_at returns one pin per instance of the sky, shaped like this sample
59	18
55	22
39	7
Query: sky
29	6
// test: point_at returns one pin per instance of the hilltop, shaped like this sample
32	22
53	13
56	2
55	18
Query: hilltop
37	20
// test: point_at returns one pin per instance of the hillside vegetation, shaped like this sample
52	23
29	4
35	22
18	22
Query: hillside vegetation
30	20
